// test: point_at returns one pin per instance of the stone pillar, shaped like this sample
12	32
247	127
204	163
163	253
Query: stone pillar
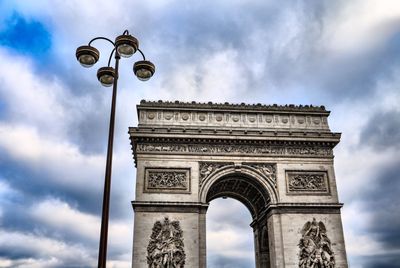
261	243
187	218
202	239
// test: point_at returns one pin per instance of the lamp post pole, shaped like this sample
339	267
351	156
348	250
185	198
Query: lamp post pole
107	180
125	45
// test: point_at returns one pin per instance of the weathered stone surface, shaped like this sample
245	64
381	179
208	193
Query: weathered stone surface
166	247
277	160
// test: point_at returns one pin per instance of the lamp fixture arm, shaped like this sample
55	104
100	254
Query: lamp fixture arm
102	38
144	58
109	59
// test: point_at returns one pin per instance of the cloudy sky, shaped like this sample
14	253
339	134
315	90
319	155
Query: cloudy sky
54	114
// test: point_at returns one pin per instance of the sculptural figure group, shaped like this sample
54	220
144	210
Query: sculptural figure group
315	247
165	249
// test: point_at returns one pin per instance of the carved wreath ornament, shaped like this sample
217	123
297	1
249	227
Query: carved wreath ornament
165	249
315	247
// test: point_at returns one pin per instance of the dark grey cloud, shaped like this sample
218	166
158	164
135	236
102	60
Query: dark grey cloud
37	185
382	131
381	199
90	129
390	260
284	38
384	201
288	38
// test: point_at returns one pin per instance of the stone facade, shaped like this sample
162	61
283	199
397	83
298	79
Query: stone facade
276	160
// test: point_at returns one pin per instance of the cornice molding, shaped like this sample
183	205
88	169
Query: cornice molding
231	106
230	134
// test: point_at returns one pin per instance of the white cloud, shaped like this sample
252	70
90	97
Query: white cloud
362	24
63	218
218	77
228	243
46	155
45	250
29	98
228	230
30	263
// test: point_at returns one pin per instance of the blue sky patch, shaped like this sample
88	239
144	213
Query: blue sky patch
25	36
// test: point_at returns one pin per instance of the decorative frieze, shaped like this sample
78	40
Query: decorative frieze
235	149
307	182
233	119
166	247
167	180
315	246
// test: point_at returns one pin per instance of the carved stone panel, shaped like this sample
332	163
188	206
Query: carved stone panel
315	246
159	180
166	247
307	182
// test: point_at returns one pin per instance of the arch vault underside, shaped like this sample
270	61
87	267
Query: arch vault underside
244	190
276	160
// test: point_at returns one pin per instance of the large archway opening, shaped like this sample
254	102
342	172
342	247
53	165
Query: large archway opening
229	222
230	240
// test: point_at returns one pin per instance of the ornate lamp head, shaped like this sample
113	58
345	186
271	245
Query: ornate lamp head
126	45
144	70
87	55
106	76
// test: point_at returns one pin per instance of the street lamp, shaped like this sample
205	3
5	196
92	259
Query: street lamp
125	46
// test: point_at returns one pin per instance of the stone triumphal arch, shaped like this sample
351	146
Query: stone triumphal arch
276	160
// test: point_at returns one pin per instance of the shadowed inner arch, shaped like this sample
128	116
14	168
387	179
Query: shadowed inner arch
242	188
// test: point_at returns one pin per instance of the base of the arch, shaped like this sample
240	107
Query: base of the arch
276	234
192	221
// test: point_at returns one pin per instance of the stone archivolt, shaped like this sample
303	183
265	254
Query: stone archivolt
248	191
266	169
166	247
315	247
208	168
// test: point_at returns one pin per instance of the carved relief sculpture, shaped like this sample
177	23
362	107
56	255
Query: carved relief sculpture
236	149
307	182
315	247
160	180
166	248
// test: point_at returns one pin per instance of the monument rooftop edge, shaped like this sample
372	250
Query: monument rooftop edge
155	114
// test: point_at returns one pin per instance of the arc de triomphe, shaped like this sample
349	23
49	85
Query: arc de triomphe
276	160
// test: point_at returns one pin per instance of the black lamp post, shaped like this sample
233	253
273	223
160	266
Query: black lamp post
125	46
